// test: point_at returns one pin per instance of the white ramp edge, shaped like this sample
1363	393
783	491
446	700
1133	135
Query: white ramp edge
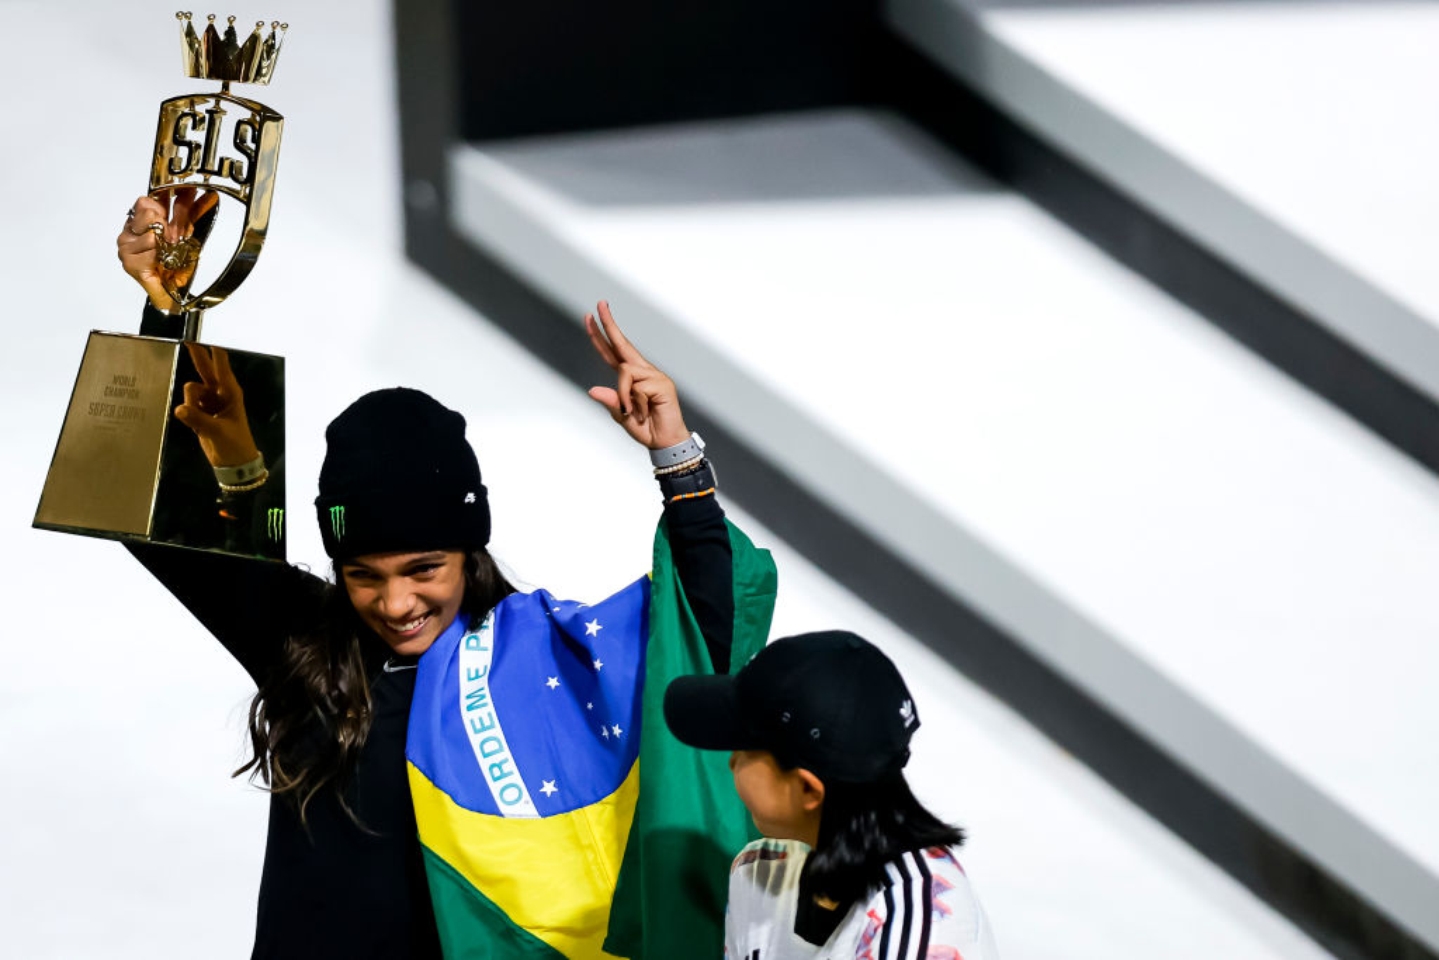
955	36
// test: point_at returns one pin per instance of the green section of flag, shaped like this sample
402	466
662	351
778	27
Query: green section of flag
689	824
473	928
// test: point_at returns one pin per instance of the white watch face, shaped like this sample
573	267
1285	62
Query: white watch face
699	440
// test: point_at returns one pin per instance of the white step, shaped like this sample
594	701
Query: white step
1292	139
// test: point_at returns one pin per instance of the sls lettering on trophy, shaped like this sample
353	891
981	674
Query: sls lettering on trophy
203	157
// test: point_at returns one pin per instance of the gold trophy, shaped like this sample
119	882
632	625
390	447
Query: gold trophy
124	466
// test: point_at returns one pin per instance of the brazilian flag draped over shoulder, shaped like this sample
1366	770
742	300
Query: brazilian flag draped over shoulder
558	816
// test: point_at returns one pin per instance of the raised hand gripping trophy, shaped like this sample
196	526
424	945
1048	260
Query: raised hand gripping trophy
124	467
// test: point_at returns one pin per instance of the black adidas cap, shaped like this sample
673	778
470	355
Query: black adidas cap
829	702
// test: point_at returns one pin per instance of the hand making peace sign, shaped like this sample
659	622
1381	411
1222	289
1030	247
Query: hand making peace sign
215	409
643	400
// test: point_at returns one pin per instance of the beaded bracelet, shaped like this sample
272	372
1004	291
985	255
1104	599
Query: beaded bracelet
685	467
255	484
707	492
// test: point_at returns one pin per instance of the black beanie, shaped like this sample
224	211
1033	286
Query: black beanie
399	476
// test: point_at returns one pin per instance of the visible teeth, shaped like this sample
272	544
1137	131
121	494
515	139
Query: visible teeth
407	627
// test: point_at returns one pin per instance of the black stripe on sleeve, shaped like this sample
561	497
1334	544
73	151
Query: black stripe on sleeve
888	921
926	901
907	898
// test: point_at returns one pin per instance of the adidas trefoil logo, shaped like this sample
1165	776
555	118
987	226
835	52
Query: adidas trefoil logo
906	711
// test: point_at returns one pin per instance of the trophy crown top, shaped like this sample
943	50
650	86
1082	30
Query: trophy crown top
213	55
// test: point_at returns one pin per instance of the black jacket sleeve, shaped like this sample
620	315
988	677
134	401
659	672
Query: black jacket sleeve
250	605
699	541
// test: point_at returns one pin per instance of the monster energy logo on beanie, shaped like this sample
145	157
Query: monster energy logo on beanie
400	476
275	523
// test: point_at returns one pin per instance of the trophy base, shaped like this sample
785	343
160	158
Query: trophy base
125	468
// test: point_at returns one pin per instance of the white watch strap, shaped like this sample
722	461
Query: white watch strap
242	474
692	448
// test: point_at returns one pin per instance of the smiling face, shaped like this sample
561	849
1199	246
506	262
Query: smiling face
407	599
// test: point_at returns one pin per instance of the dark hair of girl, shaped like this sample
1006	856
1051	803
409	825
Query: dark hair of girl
310	718
862	827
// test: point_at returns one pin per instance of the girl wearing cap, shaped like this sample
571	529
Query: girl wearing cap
852	866
420	694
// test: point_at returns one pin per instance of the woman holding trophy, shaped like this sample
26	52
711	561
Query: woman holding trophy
454	766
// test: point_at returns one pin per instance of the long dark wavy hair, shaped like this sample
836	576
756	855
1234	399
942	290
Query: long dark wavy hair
862	827
311	717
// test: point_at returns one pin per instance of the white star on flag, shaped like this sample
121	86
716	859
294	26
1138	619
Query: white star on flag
589	706
552	682
599	664
617	730
548	788
593	628
605	732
